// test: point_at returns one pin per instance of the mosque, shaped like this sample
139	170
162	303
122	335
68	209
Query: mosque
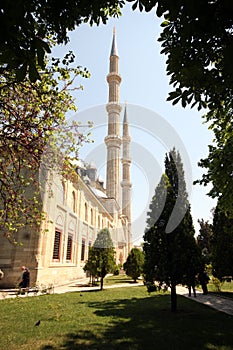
79	208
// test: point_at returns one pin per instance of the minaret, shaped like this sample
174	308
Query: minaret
126	161
126	183
113	139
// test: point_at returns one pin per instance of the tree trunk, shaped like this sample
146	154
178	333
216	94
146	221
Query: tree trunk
101	283
173	298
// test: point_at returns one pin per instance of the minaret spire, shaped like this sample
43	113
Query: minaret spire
114	51
113	139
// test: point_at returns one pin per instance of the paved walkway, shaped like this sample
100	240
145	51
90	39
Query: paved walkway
222	304
219	303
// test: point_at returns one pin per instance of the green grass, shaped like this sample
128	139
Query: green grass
117	279
226	289
119	318
122	278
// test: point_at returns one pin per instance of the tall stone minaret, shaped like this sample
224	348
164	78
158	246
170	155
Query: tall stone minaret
126	162
113	139
126	183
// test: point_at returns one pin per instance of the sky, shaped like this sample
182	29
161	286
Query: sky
156	126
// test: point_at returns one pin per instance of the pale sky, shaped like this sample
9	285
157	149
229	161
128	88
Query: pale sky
155	125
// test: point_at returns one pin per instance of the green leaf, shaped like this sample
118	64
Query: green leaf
165	24
134	6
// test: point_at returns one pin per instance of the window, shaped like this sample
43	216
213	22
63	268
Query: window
61	192
83	250
86	212
98	221
69	247
57	245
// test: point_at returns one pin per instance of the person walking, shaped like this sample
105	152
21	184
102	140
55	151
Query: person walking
25	278
204	280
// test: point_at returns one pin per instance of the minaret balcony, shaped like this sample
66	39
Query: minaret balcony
113	76
113	107
126	160
126	183
113	141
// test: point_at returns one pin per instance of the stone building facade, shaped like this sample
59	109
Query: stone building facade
77	209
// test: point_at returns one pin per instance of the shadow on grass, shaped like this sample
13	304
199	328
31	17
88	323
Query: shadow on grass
121	282
147	323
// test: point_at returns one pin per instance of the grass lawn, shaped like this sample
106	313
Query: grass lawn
118	279
226	289
119	318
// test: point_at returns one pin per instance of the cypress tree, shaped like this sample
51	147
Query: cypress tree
168	255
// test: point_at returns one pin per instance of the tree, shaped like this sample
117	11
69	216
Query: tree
204	240
91	265
167	255
34	135
101	259
219	163
197	38
26	28
222	259
134	264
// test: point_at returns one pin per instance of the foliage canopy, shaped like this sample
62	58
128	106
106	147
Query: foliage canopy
28	27
222	245
173	257
34	134
101	259
204	240
134	263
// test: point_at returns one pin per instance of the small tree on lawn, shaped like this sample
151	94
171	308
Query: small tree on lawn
204	240
134	264
91	265
102	256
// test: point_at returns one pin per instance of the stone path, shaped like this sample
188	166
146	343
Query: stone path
222	304
219	303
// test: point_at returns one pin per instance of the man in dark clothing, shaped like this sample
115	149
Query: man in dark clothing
204	280
25	279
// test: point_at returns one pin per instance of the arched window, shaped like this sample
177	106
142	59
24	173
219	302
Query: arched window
61	192
86	212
